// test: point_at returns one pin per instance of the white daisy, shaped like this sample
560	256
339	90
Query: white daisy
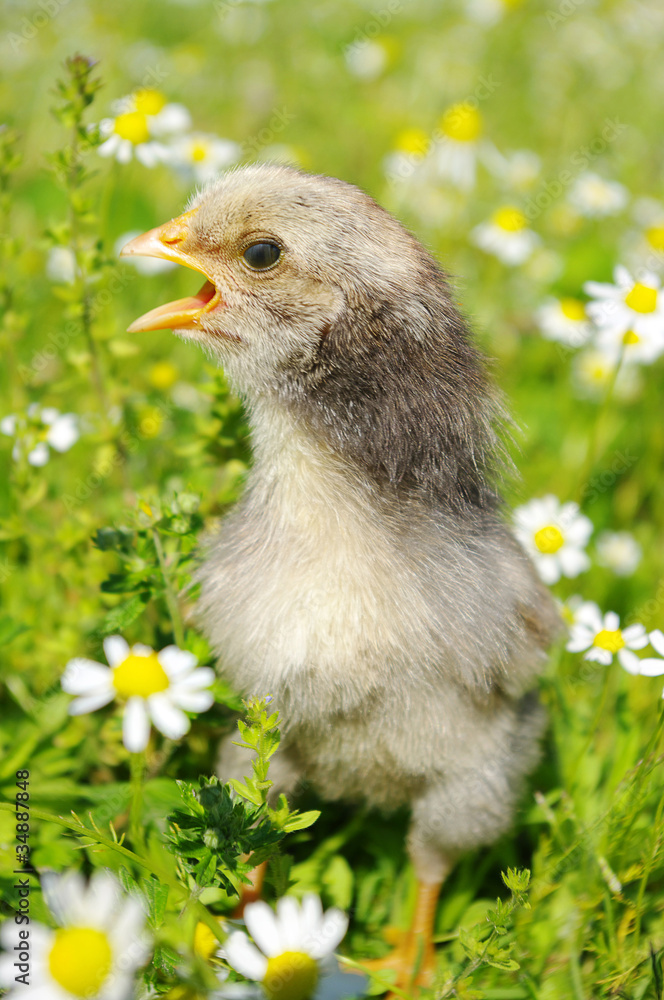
40	429
595	197
641	345
555	536
95	951
155	686
618	551
601	637
409	157
458	145
593	370
366	59
292	957
517	170
649	216
570	608
199	157
488	12
565	321
628	309
142	120
653	666
61	265
506	235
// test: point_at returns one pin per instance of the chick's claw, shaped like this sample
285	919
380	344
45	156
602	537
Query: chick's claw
414	962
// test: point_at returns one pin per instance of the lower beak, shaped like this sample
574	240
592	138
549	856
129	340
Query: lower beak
166	242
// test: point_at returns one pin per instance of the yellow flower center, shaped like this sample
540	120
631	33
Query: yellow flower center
511	219
290	976
151	420
163	374
655	237
642	298
631	337
462	122
573	309
148	101
205	943
597	372
199	151
567	614
613	641
413	140
549	539
140	675
80	960
133	126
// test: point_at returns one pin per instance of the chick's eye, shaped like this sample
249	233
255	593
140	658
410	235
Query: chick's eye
260	256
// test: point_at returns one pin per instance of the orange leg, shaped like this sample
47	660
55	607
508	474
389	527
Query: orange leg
414	958
250	893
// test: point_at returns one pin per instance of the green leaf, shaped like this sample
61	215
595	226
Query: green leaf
10	629
120	617
156	894
300	821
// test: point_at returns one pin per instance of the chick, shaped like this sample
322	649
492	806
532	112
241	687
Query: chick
366	578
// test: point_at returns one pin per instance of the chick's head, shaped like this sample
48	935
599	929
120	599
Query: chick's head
285	255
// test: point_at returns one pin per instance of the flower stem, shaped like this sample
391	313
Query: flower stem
169	592
594	449
137	772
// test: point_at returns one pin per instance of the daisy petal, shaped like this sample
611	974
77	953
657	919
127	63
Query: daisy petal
657	641
168	719
39	455
572	561
193	701
599	655
202	677
651	666
332	930
135	725
635	636
548	569
176	661
264	928
630	662
288	916
116	649
83	676
312	910
243	956
90	702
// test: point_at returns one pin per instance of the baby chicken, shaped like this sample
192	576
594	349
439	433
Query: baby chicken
366	578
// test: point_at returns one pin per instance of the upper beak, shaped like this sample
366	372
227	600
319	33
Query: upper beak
166	242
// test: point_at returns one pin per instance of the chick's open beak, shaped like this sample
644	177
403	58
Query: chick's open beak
166	242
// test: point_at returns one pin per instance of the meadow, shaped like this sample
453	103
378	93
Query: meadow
521	141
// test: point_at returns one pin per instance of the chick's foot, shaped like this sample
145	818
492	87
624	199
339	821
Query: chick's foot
414	957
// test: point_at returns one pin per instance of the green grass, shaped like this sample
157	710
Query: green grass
590	827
